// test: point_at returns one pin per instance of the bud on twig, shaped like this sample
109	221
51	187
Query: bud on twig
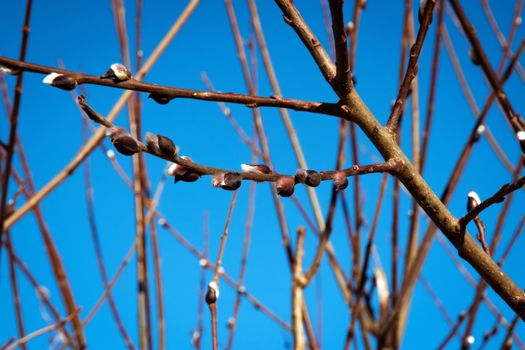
300	176
285	186
349	28
473	57
256	168
110	154
7	70
152	142
340	180
313	178
521	138
182	173
227	181
473	200
160	98
167	147
60	81
212	294
480	130
123	142
117	72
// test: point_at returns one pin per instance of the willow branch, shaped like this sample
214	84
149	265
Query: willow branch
411	72
470	31
98	136
174	92
293	18
498	197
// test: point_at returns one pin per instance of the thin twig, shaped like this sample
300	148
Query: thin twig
37	333
297	293
173	92
99	135
232	322
362	276
98	249
411	72
213	304
514	120
15	289
207	264
498	197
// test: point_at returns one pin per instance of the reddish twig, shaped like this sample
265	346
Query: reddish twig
98	250
498	197
468	28
15	288
411	71
205	263
232	322
20	342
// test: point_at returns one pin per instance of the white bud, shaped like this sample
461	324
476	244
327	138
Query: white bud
471	339
44	291
203	262
7	70
110	154
473	200
518	21
162	222
172	169
481	129
48	79
520	135
215	287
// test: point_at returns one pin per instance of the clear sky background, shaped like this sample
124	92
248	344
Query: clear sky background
81	35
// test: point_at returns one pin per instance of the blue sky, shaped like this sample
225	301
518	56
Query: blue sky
82	36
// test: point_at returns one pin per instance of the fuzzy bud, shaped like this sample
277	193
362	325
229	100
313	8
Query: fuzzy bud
340	180
123	142
117	72
167	147
285	186
300	176
349	28
470	340
152	142
231	323
227	181
8	70
313	178
182	173
521	138
212	294
60	81
188	176
110	154
473	57
160	98
256	168
473	200
480	130
172	169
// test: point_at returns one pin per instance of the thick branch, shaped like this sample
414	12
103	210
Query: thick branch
435	209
